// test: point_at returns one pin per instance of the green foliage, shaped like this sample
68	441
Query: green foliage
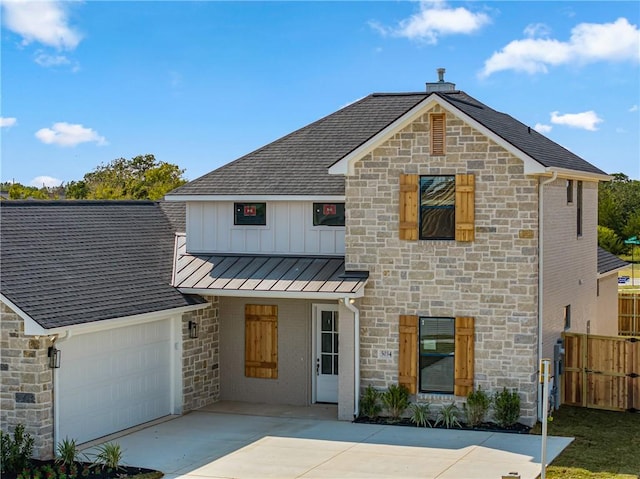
609	240
67	452
476	407
370	402
77	190
395	400
448	416
109	456
506	407
619	206
420	414
15	453
140	178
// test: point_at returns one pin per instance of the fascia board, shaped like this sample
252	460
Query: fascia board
193	198
579	175
31	328
613	271
272	294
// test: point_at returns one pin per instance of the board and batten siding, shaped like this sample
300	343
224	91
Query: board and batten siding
289	230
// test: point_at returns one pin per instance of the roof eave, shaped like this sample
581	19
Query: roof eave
241	197
576	174
359	293
610	272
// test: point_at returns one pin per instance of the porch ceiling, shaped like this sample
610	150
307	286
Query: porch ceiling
264	275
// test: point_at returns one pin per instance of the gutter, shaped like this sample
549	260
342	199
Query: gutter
356	353
554	176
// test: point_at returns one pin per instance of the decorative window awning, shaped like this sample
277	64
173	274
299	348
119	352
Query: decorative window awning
283	276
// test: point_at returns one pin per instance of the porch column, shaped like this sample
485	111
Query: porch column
346	371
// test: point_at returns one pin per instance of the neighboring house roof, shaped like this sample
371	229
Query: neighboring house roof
73	262
297	164
608	262
267	275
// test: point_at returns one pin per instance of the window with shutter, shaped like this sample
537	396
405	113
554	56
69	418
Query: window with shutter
261	341
464	358
438	130
465	207
409	207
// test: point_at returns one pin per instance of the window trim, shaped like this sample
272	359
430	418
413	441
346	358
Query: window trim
452	206
237	204
315	204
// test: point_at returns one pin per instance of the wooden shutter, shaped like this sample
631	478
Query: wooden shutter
409	207
408	353
464	356
465	207
438	131
261	341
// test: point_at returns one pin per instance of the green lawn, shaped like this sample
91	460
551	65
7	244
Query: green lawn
606	445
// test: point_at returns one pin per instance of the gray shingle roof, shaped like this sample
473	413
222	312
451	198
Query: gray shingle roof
297	164
176	213
73	262
608	261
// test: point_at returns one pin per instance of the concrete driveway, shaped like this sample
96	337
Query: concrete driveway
203	445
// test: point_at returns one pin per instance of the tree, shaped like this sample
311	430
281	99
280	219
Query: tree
619	206
609	240
140	178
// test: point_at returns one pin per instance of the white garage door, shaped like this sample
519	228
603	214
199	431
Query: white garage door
112	380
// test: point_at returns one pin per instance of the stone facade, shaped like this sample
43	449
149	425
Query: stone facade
200	358
26	383
493	279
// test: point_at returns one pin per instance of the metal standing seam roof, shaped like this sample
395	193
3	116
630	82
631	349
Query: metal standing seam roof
298	163
608	262
279	275
74	262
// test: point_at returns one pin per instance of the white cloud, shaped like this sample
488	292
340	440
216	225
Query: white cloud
537	30
633	108
586	120
542	128
48	181
45	22
589	42
435	19
66	134
46	60
6	122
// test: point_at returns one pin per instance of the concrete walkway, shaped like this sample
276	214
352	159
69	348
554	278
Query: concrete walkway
208	445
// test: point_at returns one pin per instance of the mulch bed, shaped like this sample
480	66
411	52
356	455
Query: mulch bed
406	422
50	470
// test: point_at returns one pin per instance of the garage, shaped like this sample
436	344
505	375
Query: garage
114	379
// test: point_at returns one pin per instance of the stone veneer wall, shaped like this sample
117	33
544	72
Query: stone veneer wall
493	279
26	383
200	358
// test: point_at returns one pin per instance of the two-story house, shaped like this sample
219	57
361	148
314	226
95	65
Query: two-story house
415	238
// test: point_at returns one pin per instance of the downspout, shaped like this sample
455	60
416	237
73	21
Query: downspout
554	176
356	353
56	394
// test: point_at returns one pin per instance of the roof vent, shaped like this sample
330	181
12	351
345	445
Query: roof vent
440	85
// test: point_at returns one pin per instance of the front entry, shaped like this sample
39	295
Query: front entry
326	353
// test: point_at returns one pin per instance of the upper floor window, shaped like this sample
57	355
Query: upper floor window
328	214
437	207
567	317
250	214
579	208
569	191
438	133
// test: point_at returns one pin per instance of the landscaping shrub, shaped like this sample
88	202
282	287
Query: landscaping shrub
395	400
476	407
370	403
506	408
109	456
420	414
15	453
67	452
448	416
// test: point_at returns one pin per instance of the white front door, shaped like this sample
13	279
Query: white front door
326	352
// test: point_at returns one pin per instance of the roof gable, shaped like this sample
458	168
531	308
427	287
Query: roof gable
73	262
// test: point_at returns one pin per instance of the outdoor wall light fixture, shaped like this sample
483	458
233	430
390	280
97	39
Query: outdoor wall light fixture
193	329
54	357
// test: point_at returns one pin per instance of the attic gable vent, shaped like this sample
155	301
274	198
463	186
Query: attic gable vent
440	85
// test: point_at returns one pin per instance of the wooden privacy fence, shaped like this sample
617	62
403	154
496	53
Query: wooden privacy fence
601	372
629	314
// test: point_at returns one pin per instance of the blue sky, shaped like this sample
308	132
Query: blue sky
201	83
